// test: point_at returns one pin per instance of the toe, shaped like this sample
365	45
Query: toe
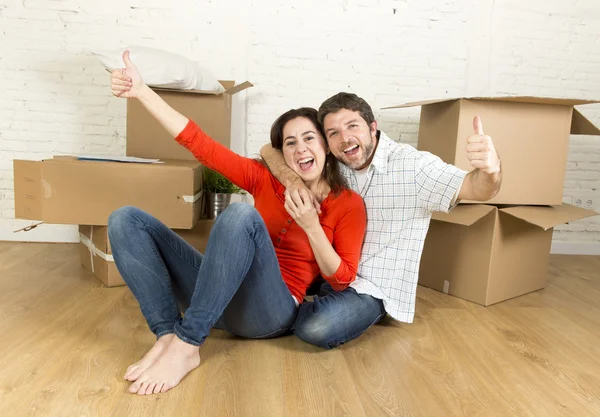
130	370
134	374
135	387
142	389
158	388
150	388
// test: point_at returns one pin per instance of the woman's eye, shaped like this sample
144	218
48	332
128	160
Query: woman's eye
290	143
309	138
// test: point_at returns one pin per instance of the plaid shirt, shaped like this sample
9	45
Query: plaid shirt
402	189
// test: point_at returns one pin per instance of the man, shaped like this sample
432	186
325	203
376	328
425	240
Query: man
401	187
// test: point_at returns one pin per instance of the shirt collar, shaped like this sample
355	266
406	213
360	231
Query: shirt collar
380	159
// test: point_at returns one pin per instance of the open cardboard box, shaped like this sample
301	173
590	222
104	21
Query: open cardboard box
531	136
211	110
96	254
67	190
487	254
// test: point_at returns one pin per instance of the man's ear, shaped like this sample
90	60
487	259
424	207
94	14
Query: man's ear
373	128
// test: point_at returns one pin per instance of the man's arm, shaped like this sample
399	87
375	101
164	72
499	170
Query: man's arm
274	160
280	170
480	186
483	183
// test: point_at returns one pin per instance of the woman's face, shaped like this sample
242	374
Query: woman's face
304	149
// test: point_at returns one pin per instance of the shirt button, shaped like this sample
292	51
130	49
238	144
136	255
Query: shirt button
289	221
283	230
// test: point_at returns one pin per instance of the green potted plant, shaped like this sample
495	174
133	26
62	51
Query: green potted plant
217	190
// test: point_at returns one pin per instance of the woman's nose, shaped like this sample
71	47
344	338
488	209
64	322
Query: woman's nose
301	148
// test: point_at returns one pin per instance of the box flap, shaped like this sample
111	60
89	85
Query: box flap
538	100
420	103
517	99
228	85
465	215
580	125
176	90
547	217
239	87
28	189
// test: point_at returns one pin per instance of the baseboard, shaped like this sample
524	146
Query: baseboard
575	248
43	233
69	233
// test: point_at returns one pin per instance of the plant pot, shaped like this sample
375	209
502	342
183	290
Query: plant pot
216	203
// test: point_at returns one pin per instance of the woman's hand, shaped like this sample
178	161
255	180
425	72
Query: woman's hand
126	82
298	204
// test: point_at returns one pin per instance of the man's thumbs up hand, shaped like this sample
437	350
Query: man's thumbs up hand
480	150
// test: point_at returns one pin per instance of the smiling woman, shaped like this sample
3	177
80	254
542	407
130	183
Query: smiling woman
259	261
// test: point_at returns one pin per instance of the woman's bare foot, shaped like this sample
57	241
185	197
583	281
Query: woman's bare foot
134	371
176	361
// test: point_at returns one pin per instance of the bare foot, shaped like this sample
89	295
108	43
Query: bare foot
176	361
134	371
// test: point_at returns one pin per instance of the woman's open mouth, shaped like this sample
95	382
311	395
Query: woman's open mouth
306	163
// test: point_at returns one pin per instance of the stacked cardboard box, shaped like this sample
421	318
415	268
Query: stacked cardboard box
70	190
487	253
96	253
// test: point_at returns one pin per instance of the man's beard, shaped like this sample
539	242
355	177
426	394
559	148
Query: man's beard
366	155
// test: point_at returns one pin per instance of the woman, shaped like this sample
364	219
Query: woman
259	260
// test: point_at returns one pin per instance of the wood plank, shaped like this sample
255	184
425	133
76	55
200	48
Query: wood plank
67	341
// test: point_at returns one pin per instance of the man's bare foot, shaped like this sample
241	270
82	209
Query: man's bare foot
176	361
134	371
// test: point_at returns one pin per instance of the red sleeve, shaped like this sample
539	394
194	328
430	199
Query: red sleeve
348	238
243	172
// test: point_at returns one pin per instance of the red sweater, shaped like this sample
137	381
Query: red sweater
343	217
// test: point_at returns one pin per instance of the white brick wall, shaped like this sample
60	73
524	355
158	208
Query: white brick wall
54	95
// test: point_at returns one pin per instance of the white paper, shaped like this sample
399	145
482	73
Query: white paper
133	159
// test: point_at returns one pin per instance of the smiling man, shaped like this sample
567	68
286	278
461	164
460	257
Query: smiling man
401	187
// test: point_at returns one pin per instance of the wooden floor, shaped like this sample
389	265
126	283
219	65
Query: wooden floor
66	341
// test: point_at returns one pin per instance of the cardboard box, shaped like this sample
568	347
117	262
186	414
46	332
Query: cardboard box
531	136
146	138
487	254
70	191
96	253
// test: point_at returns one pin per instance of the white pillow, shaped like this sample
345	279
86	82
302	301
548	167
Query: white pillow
161	69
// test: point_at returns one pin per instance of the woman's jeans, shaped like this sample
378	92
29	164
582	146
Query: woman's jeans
236	285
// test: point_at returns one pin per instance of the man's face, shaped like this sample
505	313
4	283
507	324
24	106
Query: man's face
350	138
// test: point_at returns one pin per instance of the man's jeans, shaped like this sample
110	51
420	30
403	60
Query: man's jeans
236	285
336	317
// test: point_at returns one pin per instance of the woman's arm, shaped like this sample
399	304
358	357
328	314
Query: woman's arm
338	262
128	83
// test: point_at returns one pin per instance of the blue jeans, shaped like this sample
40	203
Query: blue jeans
336	317
236	285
